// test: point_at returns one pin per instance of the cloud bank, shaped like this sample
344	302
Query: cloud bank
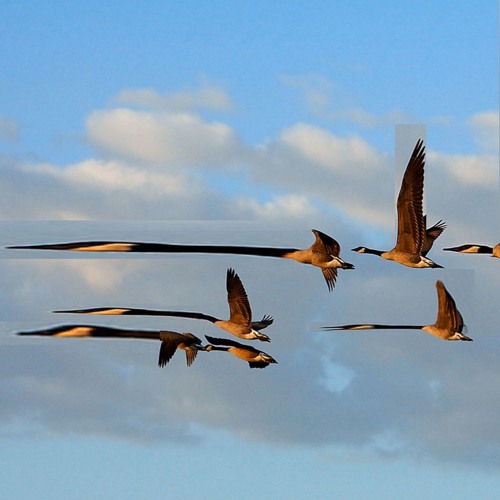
400	394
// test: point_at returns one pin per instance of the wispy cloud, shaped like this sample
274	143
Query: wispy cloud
328	100
206	97
9	129
485	127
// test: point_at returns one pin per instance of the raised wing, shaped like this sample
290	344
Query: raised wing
432	234
263	323
239	306
325	244
411	228
448	316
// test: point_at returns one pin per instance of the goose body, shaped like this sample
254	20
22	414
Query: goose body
449	324
473	248
240	314
254	357
323	253
413	240
170	341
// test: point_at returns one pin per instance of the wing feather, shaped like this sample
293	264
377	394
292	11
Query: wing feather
449	316
239	306
411	228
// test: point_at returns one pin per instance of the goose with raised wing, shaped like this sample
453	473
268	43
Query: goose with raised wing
240	314
449	324
254	357
170	341
323	253
473	248
413	239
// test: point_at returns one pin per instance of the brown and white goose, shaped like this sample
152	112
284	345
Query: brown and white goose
240	314
413	240
254	357
323	253
449	324
473	248
170	341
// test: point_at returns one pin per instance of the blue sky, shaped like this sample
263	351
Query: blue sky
251	124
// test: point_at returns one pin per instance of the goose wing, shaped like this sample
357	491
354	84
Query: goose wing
411	229
239	306
229	342
325	244
431	234
263	323
330	275
171	341
258	364
448	315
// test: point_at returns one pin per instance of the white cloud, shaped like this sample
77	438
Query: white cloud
281	207
349	157
162	138
472	170
345	173
159	165
97	189
110	176
485	126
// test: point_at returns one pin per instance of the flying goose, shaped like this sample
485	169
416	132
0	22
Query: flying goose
240	314
323	253
471	248
170	341
413	240
448	326
254	357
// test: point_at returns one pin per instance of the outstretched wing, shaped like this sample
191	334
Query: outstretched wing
239	306
172	340
325	244
411	229
263	323
448	316
432	234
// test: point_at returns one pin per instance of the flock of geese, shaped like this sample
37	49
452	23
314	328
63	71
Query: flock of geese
413	242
